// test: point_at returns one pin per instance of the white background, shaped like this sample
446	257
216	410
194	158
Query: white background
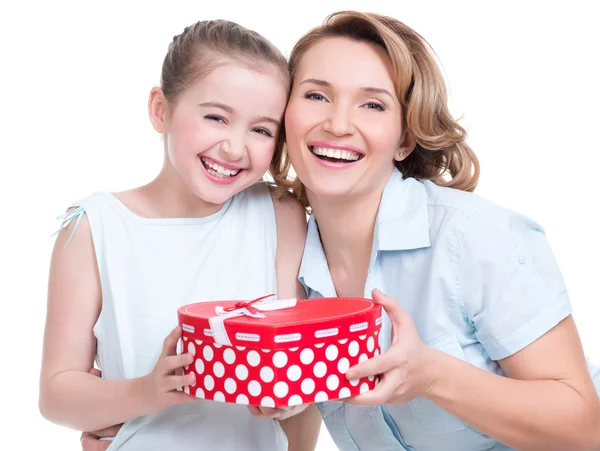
74	81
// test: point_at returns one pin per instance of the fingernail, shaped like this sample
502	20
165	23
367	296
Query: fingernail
351	375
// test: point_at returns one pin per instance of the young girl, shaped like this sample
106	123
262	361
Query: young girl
204	229
481	350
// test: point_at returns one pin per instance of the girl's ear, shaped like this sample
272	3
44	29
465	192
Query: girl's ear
158	110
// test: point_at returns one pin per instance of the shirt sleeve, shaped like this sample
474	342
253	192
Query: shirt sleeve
511	286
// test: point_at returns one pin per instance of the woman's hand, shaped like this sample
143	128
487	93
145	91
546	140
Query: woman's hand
276	413
90	441
404	368
158	390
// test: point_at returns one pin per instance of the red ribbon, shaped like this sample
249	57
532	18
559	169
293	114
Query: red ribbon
247	304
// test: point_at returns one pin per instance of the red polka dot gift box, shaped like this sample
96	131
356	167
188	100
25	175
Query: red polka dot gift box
279	353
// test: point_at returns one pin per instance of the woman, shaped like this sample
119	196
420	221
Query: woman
481	351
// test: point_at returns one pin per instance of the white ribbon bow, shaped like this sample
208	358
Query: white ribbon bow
217	323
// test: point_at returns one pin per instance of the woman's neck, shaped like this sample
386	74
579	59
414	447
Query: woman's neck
346	228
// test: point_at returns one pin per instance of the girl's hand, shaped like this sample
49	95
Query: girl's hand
276	413
159	388
405	368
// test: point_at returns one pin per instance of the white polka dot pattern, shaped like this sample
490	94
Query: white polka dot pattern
343	365
267	401
295	400
320	369
307	386
344	393
230	386
281	389
280	377
294	373
241	372
332	352
267	374
280	359
253	358
218	369
229	356
307	356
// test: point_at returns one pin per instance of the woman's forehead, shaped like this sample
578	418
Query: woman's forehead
340	60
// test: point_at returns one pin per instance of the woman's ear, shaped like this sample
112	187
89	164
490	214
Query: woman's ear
158	110
407	145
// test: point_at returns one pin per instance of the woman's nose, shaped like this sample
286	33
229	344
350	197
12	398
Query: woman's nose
339	122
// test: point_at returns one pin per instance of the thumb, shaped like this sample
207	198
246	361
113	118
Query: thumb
392	307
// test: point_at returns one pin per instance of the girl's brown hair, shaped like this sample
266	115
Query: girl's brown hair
207	44
441	153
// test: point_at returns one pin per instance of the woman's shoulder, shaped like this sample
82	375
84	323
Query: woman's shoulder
475	217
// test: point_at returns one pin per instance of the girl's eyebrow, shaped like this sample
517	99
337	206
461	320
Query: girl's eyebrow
218	105
325	83
230	110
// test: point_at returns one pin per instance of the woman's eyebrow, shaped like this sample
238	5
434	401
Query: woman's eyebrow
371	89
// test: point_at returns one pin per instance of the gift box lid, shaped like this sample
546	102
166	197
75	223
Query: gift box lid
279	324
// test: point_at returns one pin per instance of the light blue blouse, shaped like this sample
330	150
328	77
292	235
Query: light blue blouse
480	283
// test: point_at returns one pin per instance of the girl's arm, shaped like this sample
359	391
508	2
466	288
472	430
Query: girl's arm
302	430
66	388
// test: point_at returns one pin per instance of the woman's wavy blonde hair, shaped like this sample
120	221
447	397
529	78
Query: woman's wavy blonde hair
441	153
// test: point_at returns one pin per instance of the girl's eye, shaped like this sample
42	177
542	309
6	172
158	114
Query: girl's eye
263	131
215	118
375	106
315	96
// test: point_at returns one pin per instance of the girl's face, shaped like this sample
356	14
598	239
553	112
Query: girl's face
343	121
221	134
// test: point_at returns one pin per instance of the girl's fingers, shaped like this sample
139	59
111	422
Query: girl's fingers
177	382
170	343
174	362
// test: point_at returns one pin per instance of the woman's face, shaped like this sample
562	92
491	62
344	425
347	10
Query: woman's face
343	121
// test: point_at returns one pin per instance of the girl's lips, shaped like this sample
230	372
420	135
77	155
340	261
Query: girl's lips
220	180
225	165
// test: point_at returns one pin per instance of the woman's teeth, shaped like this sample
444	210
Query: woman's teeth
217	170
338	154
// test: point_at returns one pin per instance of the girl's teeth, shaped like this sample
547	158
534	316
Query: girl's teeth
218	170
338	154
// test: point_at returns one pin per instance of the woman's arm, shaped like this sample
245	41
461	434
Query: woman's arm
66	388
302	430
547	402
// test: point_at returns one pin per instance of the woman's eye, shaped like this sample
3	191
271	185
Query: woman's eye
263	131
375	106
314	96
215	118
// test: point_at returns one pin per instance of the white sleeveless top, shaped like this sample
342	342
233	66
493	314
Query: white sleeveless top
151	267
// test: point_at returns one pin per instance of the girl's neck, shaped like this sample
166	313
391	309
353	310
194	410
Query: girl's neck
167	197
